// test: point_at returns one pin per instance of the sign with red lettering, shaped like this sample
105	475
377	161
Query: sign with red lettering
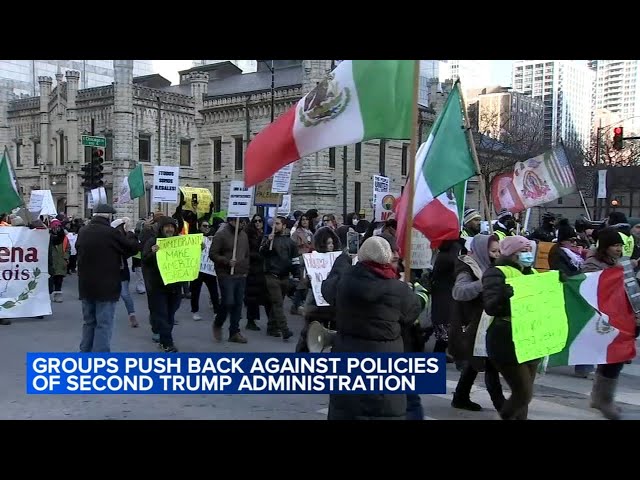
24	272
318	266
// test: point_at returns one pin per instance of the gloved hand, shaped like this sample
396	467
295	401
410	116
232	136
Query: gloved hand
508	291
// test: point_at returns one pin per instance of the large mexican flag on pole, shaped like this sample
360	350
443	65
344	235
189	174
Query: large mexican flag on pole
601	321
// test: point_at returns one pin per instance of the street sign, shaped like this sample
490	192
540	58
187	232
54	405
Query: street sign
90	141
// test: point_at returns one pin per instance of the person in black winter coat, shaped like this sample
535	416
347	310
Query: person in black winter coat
325	240
547	231
255	293
164	300
372	307
515	260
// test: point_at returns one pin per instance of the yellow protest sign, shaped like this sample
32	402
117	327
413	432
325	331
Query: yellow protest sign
539	322
179	258
202	198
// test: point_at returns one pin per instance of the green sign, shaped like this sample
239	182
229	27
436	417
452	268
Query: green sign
89	141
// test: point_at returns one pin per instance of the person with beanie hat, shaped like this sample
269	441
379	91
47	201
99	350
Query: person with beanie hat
471	221
372	308
516	259
607	255
618	220
505	224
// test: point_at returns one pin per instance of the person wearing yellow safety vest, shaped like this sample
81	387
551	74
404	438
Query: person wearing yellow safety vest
505	225
516	259
608	255
618	220
471	223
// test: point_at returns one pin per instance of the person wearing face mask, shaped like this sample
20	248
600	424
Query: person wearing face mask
608	254
516	259
568	258
505	225
352	219
467	312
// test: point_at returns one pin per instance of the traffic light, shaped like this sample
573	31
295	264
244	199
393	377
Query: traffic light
618	138
92	171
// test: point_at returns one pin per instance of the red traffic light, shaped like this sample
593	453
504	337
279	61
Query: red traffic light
99	152
617	131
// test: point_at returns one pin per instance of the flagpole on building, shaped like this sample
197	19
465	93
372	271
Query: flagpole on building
472	146
12	171
413	148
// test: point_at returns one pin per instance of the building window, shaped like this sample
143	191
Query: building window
87	154
144	148
239	152
403	164
36	153
61	145
217	154
18	152
216	196
108	151
383	155
185	153
358	159
560	201
332	157
357	193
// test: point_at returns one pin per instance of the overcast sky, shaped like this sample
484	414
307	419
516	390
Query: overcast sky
500	70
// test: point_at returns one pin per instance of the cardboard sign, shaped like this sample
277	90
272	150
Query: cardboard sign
265	196
542	256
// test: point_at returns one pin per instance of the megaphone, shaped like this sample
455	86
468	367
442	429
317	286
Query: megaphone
319	338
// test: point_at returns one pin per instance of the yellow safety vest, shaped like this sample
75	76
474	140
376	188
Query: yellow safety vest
499	234
628	244
464	234
512	272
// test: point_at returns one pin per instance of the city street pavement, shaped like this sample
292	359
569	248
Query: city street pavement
558	394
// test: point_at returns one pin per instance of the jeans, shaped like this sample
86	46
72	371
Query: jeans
126	297
98	325
55	283
164	306
414	407
196	287
232	292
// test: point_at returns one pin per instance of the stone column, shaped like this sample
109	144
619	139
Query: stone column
314	184
202	162
4	119
73	167
45	94
123	133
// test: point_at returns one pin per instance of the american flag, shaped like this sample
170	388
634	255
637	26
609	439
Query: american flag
561	171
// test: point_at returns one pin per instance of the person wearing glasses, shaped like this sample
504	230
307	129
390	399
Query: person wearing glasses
210	280
256	289
329	220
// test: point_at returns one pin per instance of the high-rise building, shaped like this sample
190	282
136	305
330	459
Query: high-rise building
432	73
565	87
22	75
617	91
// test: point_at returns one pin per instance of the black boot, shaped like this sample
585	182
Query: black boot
461	397
251	325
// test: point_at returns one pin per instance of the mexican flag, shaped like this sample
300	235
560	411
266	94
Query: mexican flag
132	186
10	198
601	321
443	164
359	100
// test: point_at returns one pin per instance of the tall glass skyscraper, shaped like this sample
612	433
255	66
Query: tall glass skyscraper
22	75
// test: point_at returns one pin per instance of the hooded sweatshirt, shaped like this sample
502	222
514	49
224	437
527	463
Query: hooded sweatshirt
467	288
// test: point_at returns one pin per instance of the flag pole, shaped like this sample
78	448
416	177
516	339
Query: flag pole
472	146
413	148
12	171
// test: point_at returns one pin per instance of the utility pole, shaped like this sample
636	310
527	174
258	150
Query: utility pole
159	133
344	184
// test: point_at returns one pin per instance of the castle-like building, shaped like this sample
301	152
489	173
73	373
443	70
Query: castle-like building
202	125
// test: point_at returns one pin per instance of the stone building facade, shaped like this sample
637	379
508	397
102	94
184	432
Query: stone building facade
202	125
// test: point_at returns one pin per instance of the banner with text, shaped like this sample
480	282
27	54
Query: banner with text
179	258
282	180
206	265
165	184
24	272
318	266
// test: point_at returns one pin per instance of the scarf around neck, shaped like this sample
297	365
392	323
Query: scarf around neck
575	259
385	271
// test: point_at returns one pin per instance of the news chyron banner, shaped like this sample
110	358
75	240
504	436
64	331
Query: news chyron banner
235	373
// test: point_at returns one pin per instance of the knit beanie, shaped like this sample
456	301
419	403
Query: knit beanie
470	214
608	237
375	249
513	244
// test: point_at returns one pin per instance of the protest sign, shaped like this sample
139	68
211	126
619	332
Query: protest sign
179	258
383	205
24	272
380	184
539	322
285	208
318	266
239	200
282	179
165	184
206	265
420	251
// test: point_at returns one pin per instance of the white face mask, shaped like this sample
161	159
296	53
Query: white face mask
354	221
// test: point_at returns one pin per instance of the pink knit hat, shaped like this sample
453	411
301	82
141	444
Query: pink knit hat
511	245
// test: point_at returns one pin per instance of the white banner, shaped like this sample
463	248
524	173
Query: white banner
420	251
285	208
41	203
282	180
24	272
239	200
166	181
98	196
602	184
318	266
206	265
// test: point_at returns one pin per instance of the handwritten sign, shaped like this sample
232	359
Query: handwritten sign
206	265
239	200
539	323
282	179
285	208
420	251
318	266
165	184
179	258
264	195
